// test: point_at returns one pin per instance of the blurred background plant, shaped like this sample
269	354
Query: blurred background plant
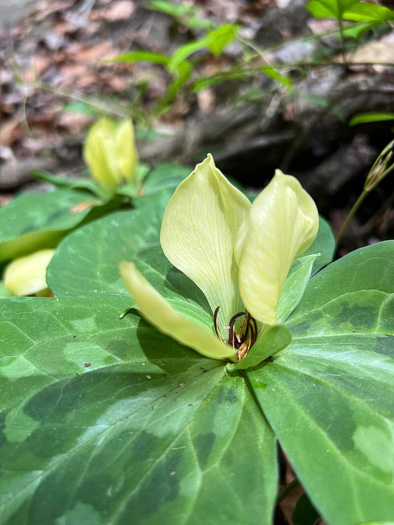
260	84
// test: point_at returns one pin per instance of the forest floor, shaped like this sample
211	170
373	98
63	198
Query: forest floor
54	83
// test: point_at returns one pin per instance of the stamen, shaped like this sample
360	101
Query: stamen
215	323
231	332
253	329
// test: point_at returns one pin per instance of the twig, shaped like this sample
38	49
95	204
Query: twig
291	487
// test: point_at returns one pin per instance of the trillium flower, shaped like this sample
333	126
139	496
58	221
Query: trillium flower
27	275
110	153
239	254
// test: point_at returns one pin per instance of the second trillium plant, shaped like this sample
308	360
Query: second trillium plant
239	254
111	154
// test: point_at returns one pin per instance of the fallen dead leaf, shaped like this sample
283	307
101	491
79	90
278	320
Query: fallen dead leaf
206	101
10	131
90	53
116	12
74	122
82	206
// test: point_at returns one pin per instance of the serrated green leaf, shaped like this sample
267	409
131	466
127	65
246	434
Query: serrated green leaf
34	221
83	108
104	419
141	56
356	31
365	12
333	386
350	10
184	14
362	118
272	73
221	37
329	8
216	41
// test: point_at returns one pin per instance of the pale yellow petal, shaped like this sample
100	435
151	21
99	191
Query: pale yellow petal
27	275
126	152
283	224
204	221
99	154
155	309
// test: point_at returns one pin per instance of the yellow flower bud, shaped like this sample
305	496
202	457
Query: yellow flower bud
27	275
110	153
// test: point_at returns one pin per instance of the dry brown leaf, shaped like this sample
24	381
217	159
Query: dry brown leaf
74	122
10	131
116	12
5	199
39	65
206	101
82	206
374	52
89	54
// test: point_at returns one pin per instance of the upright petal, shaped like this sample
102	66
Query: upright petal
99	153
203	222
126	152
155	309
283	224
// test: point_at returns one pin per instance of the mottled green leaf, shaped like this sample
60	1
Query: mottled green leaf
274	339
87	261
4	292
295	285
324	244
328	395
104	419
34	221
165	176
64	182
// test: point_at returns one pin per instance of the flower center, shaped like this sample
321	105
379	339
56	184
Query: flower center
241	339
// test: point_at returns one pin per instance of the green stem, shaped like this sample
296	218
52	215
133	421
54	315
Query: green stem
340	22
350	215
104	108
291	487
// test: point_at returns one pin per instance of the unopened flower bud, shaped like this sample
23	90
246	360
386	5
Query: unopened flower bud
27	275
110	153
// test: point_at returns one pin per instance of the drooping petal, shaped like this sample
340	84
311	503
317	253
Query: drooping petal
283	224
204	220
157	311
126	152
27	275
99	154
